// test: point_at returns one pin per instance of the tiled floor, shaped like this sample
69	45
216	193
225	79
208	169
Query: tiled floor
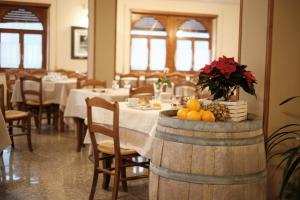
54	171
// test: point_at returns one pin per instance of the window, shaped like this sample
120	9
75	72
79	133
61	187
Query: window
148	45
192	46
181	43
23	36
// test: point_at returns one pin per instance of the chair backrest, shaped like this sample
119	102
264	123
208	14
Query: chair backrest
31	89
92	83
133	79
11	77
80	81
176	77
2	108
38	73
96	128
144	91
73	75
60	70
185	88
150	79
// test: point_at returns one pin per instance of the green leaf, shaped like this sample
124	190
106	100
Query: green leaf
288	175
288	99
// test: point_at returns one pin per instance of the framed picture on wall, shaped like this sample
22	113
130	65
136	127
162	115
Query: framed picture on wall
79	49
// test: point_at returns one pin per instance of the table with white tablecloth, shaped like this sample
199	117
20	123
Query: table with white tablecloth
55	91
76	106
137	127
4	136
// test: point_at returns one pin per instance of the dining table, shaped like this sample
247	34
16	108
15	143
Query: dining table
4	136
137	126
76	111
55	91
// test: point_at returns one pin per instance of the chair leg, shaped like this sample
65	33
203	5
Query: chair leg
84	127
36	119
49	117
40	120
116	180
106	177
10	130
123	176
29	133
95	180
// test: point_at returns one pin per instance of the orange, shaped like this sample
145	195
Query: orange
182	113
193	104
201	114
208	116
193	115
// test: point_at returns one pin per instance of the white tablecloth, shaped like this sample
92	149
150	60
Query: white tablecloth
55	91
76	106
4	136
137	127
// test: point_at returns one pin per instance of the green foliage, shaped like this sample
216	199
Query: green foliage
163	81
289	157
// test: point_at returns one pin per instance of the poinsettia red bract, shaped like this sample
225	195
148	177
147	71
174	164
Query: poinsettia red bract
224	76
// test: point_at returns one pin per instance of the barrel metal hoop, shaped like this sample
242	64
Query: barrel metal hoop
204	179
209	142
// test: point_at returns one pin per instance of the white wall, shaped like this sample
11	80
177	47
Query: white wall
62	15
227	24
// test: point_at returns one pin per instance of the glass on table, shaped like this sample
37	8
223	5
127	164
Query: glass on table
127	84
115	84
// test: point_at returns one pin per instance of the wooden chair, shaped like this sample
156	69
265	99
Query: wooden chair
144	91
73	75
59	70
12	116
185	88
38	73
176	77
91	83
123	157
133	79
10	76
33	100
150	79
80	81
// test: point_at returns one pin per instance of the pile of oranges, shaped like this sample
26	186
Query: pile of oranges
194	112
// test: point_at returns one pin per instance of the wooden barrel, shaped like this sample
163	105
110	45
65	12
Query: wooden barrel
207	161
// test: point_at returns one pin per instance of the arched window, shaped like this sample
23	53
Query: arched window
148	44
23	36
193	46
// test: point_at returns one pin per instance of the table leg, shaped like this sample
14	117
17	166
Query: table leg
61	119
79	130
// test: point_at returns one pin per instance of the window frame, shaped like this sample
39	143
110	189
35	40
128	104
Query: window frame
134	19
172	21
208	26
40	10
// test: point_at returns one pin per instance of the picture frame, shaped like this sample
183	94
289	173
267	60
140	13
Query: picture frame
79	42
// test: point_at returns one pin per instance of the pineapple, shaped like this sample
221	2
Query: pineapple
220	111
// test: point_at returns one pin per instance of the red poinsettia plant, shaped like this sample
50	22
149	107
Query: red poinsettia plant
224	76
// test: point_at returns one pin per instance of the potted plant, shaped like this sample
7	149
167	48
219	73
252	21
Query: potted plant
163	82
285	144
222	78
